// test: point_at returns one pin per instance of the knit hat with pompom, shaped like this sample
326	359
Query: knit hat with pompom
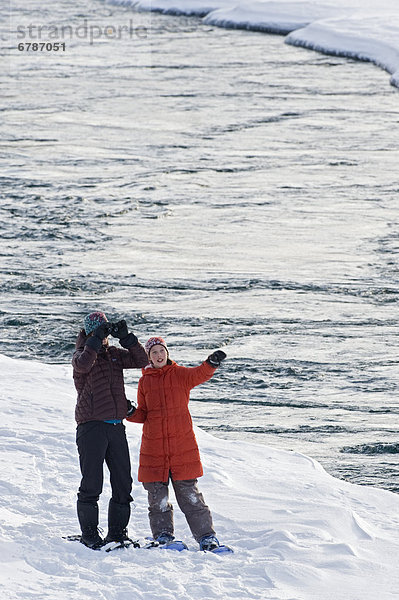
155	341
93	320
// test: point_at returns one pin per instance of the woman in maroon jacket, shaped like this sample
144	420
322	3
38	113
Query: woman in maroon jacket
100	436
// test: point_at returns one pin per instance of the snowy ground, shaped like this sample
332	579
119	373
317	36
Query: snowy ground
297	532
363	29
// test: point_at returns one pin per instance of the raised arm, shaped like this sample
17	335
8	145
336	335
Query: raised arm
193	376
134	356
87	349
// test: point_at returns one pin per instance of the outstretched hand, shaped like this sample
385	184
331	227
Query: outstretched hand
216	358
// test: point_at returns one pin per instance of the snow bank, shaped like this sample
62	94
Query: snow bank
197	8
362	29
272	17
297	532
373	38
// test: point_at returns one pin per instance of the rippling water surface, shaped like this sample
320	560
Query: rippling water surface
222	189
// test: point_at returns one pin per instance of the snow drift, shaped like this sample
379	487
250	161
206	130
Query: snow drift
297	532
361	29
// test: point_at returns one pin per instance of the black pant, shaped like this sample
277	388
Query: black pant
98	442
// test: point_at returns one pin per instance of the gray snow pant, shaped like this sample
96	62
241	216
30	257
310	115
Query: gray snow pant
190	501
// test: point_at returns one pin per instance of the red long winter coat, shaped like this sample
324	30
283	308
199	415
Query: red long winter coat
168	443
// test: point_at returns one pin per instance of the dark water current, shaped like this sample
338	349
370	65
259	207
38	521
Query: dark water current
222	189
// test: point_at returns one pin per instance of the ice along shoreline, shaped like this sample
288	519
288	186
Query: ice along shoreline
358	31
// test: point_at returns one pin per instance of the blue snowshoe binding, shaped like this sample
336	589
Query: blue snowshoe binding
168	542
210	543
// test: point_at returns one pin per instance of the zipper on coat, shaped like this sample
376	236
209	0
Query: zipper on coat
111	380
165	425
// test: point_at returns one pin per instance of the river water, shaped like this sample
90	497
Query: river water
221	189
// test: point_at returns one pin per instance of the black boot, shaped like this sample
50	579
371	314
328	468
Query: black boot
88	519
118	519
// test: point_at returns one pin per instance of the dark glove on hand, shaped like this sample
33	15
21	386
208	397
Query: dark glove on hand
119	329
95	341
131	409
216	358
128	341
102	331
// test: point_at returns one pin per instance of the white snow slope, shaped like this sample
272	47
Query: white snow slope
297	532
362	29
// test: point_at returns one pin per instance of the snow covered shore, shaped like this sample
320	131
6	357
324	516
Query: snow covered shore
362	29
297	532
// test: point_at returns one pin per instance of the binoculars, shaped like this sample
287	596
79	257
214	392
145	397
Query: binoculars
111	329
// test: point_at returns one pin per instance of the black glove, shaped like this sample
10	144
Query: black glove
216	358
131	409
119	329
128	341
100	333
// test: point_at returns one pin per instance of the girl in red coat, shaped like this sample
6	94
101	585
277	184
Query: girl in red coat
169	450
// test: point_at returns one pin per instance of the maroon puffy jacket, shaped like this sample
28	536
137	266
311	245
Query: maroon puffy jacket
99	380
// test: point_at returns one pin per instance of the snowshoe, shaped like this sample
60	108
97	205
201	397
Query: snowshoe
107	546
164	538
222	549
174	545
110	546
210	543
90	542
167	541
